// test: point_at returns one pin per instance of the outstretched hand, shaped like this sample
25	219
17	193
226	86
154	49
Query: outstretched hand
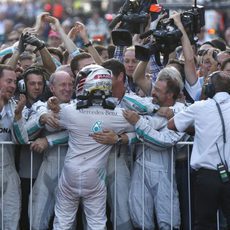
53	104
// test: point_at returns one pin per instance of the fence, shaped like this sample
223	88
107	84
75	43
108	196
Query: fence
115	214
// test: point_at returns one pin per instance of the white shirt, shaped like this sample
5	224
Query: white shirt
208	130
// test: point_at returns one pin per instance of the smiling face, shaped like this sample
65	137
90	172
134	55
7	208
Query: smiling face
160	92
62	86
7	84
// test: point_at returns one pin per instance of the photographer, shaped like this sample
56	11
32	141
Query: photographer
209	156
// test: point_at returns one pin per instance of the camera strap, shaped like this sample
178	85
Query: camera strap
223	161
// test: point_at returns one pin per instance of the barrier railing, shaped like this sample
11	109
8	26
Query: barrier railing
115	214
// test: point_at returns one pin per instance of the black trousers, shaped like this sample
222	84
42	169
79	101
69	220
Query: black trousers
210	195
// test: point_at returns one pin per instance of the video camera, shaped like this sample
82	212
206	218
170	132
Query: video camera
167	36
134	16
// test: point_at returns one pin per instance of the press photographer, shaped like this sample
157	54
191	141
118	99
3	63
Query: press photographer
133	17
167	36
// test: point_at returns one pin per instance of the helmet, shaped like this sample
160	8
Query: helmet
94	80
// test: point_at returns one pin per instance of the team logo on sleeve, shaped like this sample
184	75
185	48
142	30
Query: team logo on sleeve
97	127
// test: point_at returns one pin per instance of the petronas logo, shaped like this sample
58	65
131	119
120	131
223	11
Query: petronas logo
97	127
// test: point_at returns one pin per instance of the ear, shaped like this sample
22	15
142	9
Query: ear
121	77
51	88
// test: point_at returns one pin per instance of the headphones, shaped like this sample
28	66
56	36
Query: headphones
39	70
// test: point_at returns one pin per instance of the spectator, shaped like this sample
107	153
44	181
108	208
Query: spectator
54	39
97	28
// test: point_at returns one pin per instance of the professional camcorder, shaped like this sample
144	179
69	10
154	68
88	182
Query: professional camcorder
166	36
133	17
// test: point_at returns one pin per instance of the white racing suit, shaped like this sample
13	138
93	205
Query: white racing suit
44	188
33	128
156	160
84	172
10	193
118	185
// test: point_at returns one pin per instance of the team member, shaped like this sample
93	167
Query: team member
156	160
44	189
84	171
11	129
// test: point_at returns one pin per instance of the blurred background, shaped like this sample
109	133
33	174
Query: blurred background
16	14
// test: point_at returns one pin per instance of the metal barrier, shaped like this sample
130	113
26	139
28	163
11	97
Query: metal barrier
188	144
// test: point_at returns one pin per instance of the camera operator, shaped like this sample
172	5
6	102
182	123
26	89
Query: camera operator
191	82
209	156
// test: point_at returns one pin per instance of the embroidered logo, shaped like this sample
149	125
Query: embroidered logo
97	127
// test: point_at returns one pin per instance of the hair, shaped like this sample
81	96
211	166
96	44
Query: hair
224	63
74	62
100	48
35	69
179	65
220	81
173	78
111	50
115	66
4	67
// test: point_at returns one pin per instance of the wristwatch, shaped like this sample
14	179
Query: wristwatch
119	139
88	44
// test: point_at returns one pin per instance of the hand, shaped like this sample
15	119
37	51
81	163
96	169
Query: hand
165	112
53	104
20	105
177	19
40	19
34	41
39	145
49	119
21	44
81	29
55	24
131	116
2	102
107	137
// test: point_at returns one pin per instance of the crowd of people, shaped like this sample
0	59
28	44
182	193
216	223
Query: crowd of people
95	130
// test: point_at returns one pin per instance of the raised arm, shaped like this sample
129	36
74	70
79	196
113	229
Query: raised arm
81	29
189	66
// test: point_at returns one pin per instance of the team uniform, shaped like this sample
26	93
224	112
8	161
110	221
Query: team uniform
10	192
156	160
121	154
45	186
84	172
